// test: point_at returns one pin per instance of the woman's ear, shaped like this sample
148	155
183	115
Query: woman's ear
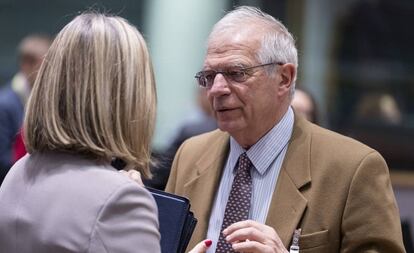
287	73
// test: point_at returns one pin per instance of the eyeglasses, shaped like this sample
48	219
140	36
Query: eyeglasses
206	78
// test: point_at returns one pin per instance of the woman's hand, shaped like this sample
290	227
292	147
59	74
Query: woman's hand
201	247
134	175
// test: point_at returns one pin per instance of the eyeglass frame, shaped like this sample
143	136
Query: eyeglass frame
226	74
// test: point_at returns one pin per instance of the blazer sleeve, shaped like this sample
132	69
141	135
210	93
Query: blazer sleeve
128	222
371	220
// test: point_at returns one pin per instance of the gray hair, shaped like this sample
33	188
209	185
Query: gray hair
277	44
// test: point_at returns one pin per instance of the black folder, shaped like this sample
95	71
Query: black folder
177	222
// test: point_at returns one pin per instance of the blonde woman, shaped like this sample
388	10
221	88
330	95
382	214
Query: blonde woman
94	100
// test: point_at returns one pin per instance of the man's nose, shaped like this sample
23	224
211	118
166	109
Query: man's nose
220	86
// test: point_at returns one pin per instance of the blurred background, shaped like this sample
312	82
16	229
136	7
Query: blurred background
355	59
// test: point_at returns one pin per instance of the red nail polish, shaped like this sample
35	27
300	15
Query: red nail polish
208	242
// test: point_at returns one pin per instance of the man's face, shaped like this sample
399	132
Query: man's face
246	110
30	65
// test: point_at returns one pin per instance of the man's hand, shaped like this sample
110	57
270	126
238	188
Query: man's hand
251	236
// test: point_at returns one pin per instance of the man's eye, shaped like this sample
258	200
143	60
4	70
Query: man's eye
237	75
210	76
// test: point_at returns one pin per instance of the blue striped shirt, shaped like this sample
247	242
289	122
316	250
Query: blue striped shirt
266	156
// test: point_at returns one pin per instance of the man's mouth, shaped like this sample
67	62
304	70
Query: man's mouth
224	109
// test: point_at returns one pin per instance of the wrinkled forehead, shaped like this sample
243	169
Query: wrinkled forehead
246	33
234	45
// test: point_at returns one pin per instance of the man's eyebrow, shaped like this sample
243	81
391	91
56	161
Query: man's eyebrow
239	65
225	66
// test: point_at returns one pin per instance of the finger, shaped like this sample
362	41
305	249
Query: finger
201	247
249	233
136	176
251	247
124	172
244	224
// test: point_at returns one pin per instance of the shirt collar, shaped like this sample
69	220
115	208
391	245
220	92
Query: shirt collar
268	148
21	86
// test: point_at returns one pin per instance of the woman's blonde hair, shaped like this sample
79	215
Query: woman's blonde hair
95	93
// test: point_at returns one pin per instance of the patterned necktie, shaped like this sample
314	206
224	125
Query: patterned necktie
238	204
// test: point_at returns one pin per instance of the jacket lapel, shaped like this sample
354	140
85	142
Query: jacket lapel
288	204
205	182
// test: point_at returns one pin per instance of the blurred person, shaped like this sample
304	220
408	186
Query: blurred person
205	122
305	105
93	101
378	107
267	172
14	95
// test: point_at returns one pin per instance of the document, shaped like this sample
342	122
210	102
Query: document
177	222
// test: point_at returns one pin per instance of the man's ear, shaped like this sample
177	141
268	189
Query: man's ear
287	74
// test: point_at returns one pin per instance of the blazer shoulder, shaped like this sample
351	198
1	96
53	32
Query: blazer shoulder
205	149
329	143
130	210
205	141
339	139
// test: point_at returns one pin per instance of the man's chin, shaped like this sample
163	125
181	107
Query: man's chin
229	127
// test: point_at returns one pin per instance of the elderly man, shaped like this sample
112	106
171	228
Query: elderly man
13	95
268	173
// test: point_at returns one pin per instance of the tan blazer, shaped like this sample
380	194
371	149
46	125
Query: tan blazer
334	188
61	203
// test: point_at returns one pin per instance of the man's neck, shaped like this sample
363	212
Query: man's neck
249	137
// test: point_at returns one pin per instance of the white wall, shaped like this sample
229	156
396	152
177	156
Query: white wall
176	32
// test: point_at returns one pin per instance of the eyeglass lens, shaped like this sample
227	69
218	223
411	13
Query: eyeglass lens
206	78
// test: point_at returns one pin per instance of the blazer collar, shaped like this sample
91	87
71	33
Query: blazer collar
288	204
201	186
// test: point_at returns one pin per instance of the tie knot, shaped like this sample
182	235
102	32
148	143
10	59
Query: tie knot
244	162
244	158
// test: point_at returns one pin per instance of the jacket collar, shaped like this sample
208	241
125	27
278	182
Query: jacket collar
201	186
287	204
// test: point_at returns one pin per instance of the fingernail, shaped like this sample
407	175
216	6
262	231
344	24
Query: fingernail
225	232
208	242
